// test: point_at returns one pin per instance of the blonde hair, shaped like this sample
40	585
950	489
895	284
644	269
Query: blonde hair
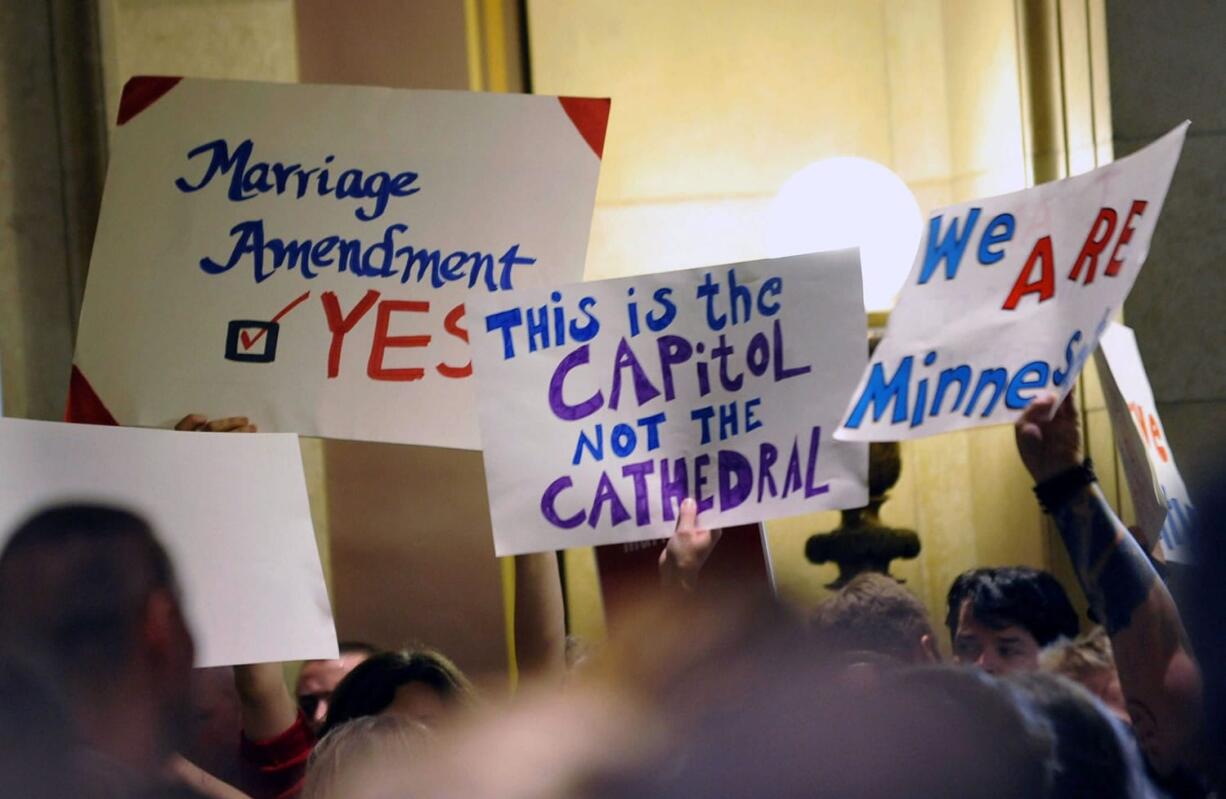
1084	656
366	757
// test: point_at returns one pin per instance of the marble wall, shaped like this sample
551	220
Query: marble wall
1168	63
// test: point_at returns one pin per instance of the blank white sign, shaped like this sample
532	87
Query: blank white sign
231	510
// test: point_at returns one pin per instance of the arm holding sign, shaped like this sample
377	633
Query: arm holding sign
1160	679
540	617
265	702
687	550
276	741
267	708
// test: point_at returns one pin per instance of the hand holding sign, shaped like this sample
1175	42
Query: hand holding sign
1049	437
687	550
198	423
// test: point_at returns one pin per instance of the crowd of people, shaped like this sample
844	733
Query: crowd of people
703	693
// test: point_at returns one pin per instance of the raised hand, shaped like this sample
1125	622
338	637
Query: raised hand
1160	679
1049	444
688	549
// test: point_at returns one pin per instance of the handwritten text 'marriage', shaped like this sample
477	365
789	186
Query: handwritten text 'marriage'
251	179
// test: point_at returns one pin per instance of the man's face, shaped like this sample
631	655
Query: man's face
318	679
996	651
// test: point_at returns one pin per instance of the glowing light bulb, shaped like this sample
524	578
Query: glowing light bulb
846	202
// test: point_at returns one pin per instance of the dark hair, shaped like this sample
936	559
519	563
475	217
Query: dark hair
356	648
1014	595
74	581
371	686
872	613
791	731
1095	755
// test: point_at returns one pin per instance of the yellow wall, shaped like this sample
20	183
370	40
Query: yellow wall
716	104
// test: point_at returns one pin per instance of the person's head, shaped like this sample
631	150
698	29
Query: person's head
420	685
36	737
366	758
1095	755
923	733
319	678
1088	661
90	595
875	614
1000	619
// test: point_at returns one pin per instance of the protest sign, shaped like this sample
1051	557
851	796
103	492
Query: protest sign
1007	298
231	511
302	255
603	405
1146	454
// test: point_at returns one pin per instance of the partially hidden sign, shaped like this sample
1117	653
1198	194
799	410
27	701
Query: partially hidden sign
1164	508
231	510
740	565
303	255
603	405
1007	299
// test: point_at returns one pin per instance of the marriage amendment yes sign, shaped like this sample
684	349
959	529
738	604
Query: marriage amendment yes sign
1007	298
603	405
303	254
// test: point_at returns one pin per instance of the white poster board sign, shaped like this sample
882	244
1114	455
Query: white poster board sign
1007	298
604	405
1146	454
231	511
302	255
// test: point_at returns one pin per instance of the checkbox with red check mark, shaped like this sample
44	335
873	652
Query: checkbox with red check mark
243	336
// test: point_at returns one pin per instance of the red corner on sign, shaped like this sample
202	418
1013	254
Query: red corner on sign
141	92
591	117
84	405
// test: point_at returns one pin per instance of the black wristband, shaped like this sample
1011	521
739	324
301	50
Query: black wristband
1055	491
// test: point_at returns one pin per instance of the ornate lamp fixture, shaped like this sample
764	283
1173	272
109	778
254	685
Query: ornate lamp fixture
862	543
